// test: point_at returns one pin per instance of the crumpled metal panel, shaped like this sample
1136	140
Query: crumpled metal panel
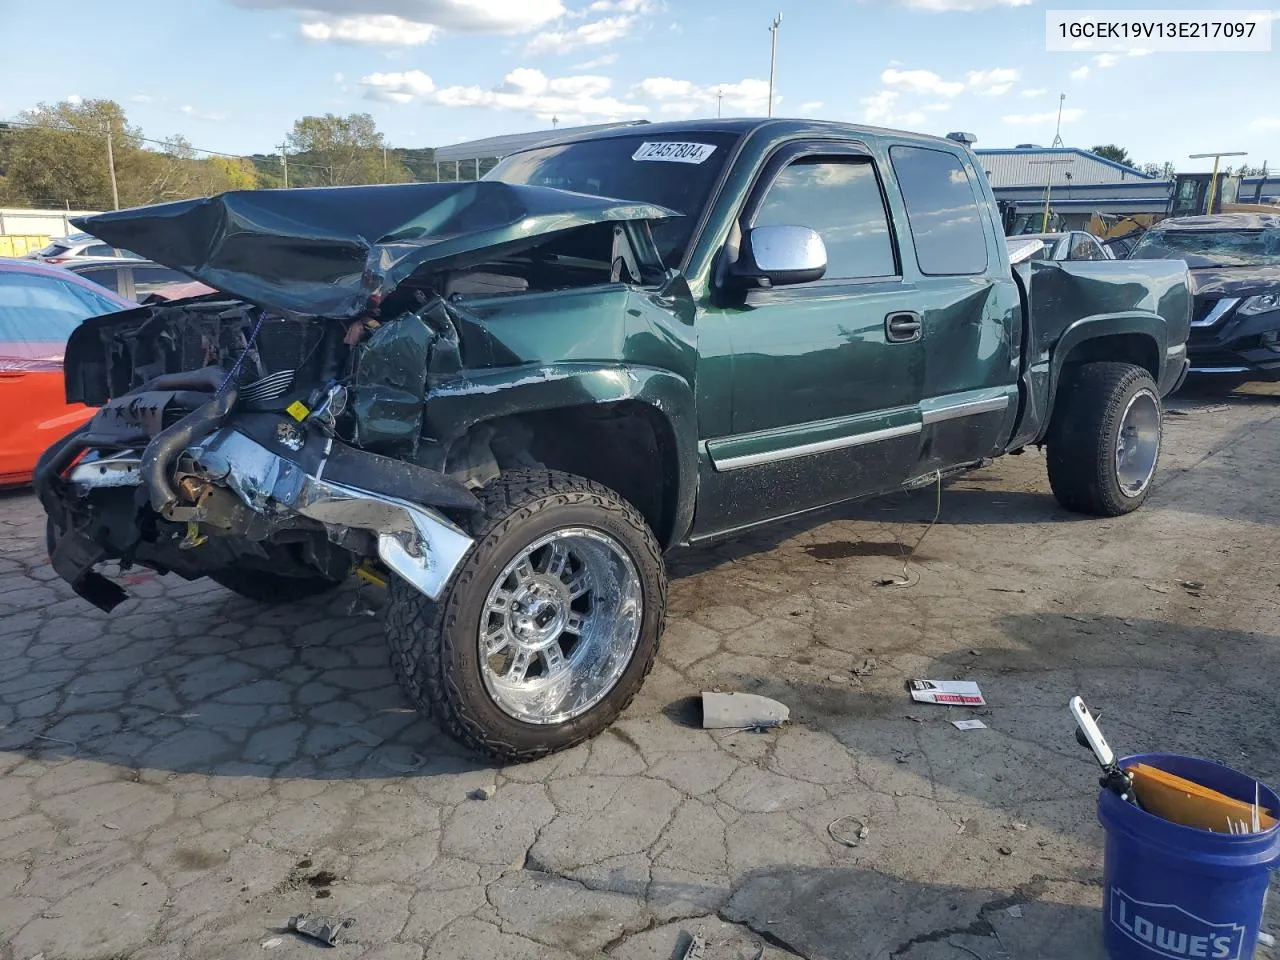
389	386
334	251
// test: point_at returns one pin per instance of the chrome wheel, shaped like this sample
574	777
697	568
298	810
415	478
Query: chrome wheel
560	625
1138	443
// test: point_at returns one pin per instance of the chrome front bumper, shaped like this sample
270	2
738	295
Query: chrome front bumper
415	542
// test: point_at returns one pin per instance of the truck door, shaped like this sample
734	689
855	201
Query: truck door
968	305
824	377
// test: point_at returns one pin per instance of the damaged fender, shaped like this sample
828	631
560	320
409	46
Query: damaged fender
453	408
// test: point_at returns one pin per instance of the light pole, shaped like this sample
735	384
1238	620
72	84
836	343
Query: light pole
1057	133
1048	189
111	167
773	58
719	101
1213	177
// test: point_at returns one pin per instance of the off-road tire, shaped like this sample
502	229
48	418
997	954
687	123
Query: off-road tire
273	588
434	646
1083	434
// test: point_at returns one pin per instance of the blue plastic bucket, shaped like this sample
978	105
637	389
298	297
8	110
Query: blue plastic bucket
1180	893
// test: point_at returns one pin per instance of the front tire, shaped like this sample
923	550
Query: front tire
547	629
1104	440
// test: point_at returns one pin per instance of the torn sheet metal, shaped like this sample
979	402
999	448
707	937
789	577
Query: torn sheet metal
335	252
324	929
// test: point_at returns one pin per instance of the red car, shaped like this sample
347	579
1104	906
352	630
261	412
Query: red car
39	307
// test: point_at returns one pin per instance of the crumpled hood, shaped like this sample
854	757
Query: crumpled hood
332	251
1219	282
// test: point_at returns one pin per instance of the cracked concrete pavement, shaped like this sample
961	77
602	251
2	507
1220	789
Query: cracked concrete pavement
179	778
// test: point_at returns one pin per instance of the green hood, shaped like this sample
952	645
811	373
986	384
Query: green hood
337	251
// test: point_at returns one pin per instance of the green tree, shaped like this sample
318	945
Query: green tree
1109	151
60	154
1164	170
335	151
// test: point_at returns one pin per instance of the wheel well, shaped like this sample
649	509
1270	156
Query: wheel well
1136	348
627	446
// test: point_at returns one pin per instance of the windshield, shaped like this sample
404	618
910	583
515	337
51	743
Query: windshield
1215	248
653	169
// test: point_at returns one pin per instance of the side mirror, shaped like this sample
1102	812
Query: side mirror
776	256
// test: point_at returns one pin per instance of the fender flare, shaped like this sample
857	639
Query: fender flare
1095	327
455	407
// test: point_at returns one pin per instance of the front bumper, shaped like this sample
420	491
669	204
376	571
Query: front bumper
1236	347
249	481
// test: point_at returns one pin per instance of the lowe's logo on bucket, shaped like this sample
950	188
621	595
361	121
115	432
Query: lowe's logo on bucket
1169	931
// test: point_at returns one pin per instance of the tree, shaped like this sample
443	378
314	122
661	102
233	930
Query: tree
1164	170
336	151
238	172
60	156
1109	151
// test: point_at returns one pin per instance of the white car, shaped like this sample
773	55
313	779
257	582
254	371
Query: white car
79	245
1075	245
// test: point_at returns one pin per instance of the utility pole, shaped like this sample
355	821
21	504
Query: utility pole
111	166
1213	177
1057	134
384	164
773	58
555	122
284	164
719	100
1048	190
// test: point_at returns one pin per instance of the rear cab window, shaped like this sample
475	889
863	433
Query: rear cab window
943	211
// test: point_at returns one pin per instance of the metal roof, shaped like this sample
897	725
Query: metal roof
1014	167
496	147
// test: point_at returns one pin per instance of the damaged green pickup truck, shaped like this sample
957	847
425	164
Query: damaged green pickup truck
513	396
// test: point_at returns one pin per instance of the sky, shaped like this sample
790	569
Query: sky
233	75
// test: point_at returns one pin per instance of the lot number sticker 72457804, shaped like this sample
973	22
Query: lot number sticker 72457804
674	152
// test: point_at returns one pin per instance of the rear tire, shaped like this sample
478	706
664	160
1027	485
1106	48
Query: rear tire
273	588
1104	439
548	627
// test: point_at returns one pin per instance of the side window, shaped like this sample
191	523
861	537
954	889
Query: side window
147	279
942	209
108	277
841	200
99	250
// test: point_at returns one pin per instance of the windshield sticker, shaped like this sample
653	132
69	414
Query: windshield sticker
674	152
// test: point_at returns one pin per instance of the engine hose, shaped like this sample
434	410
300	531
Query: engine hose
167	445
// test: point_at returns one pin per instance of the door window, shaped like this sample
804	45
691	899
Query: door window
841	200
942	209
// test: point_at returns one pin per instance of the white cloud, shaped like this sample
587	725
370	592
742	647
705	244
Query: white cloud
921	81
961	5
1069	115
993	83
211	115
936	107
142	98
588	34
1267	123
338	78
74	99
403	87
1105	60
878	109
369	29
572	99
465	16
685	97
627	6
810	106
1035	92
1079	73
1140	52
596	63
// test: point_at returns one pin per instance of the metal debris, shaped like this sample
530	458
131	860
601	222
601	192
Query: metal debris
272	943
483	793
741	711
1015	911
697	948
324	929
1191	586
866	668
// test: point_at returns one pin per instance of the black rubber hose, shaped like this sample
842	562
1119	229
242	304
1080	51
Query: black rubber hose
168	444
206	379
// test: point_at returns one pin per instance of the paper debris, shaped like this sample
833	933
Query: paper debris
968	724
961	693
1015	911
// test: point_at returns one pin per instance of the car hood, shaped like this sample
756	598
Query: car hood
337	251
1219	282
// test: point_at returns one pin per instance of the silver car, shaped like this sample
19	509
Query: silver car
1075	245
79	245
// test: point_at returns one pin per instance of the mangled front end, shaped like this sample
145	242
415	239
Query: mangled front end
275	429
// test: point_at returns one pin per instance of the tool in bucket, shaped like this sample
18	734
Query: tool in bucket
1088	734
